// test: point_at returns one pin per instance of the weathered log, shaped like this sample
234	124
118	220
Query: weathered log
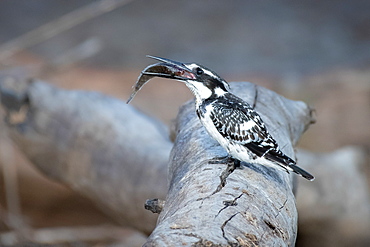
95	144
217	205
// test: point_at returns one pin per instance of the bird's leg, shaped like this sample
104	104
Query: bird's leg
236	163
232	164
221	160
230	161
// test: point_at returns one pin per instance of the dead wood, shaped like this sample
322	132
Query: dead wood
216	205
55	27
117	156
95	144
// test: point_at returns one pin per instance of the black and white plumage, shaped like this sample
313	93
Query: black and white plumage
232	122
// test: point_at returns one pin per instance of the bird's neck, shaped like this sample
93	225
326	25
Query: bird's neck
203	93
199	90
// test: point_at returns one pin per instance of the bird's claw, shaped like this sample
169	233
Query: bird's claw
228	160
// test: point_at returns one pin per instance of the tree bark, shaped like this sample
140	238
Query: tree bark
97	145
215	205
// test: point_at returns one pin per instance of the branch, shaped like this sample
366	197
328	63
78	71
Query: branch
97	145
59	25
216	205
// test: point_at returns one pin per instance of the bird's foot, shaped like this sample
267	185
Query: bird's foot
230	161
221	160
232	164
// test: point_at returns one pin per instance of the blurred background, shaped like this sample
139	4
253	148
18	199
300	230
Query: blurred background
314	51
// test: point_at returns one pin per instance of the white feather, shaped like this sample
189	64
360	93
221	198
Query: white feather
219	92
199	90
247	125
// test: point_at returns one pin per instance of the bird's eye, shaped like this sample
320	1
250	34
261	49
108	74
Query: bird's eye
198	71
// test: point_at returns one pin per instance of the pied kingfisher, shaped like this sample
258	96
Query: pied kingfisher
231	121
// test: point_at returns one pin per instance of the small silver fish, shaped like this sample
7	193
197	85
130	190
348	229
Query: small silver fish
166	69
147	74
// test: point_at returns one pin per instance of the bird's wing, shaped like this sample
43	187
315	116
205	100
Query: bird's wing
240	124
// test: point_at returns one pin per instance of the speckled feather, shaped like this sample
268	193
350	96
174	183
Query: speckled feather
237	122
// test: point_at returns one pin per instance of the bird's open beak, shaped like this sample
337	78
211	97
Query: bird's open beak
166	69
169	69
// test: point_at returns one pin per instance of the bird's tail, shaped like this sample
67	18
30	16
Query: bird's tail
301	172
288	164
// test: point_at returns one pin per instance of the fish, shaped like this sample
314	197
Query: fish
147	74
169	69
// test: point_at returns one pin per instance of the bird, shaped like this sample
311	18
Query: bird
228	119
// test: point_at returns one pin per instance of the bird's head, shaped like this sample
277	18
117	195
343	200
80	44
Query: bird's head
203	82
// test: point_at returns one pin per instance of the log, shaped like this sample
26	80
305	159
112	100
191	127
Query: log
97	145
218	205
